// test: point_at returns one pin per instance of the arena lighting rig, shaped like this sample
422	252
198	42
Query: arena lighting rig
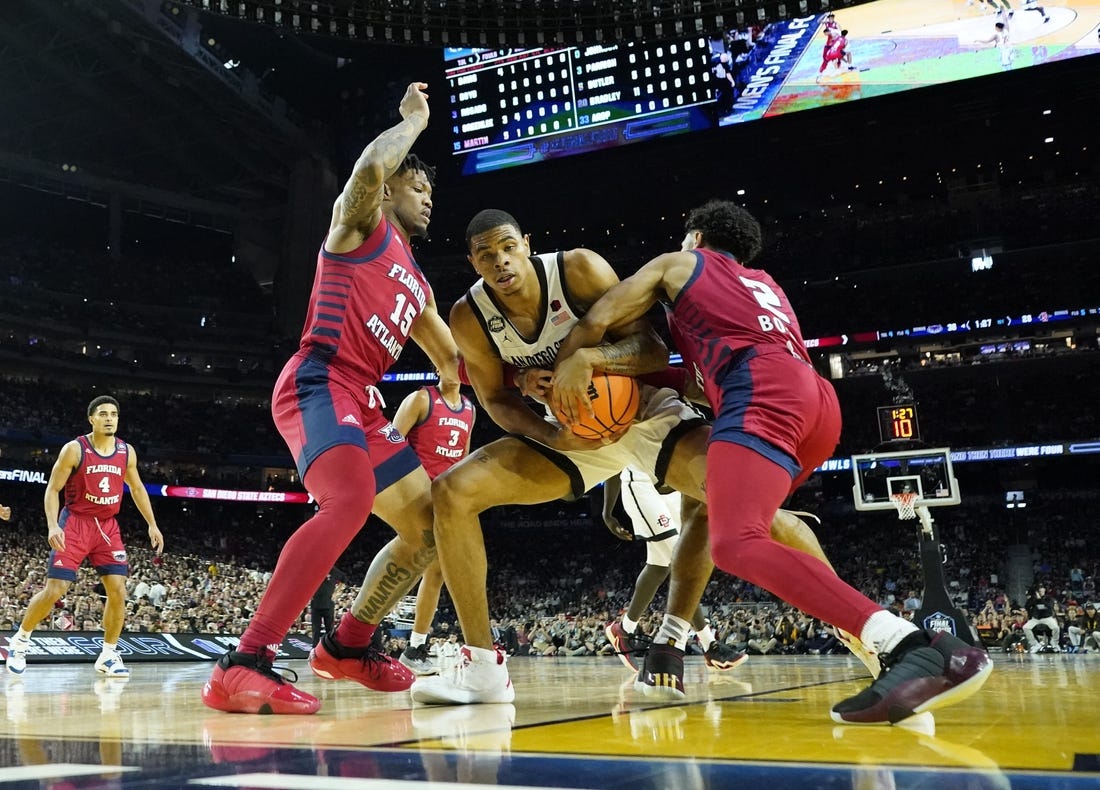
515	23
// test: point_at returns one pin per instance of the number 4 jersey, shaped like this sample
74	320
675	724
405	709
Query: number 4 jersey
94	489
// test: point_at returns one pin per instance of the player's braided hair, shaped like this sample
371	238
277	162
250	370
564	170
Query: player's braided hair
487	219
727	226
414	163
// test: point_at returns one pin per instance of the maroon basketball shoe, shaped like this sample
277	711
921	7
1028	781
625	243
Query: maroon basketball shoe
662	673
927	670
630	648
722	657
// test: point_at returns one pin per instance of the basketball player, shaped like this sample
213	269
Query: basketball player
369	298
90	472
1001	39
437	422
835	50
655	517
775	421
517	313
1033	5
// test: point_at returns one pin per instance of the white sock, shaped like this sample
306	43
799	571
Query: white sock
110	647
23	634
481	654
883	630
630	626
673	631
706	637
416	639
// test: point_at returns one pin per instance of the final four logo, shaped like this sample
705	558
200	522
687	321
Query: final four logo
938	621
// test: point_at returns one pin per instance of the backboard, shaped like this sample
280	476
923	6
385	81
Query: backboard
926	472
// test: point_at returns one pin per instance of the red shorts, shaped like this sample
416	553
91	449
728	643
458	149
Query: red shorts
778	405
314	411
98	541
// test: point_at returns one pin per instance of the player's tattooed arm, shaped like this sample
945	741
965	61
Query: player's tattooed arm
362	194
637	353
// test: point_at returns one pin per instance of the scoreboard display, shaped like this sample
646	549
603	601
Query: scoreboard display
516	106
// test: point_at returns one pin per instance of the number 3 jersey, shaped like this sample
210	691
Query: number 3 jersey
94	489
440	440
724	308
363	306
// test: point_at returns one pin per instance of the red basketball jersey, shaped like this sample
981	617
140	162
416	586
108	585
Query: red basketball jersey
440	441
725	307
94	489
363	305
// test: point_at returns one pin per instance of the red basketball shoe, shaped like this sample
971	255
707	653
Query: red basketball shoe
248	683
366	665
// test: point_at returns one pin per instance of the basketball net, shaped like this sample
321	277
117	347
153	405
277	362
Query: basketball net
906	503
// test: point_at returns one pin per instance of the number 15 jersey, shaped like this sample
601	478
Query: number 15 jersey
363	306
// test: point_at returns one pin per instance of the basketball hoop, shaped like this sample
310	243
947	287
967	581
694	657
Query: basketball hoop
906	503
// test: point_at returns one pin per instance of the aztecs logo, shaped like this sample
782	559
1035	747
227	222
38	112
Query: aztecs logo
118	556
393	436
496	324
663	521
938	621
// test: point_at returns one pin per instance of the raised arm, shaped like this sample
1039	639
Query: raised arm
358	209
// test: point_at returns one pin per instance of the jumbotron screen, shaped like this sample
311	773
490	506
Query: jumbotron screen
517	106
514	106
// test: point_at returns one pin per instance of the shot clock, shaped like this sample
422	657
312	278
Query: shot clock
898	422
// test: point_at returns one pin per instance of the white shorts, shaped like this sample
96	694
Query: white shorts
654	516
662	419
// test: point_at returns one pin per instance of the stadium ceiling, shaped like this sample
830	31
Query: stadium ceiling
105	98
512	23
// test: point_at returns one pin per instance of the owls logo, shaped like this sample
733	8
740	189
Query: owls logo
393	436
118	556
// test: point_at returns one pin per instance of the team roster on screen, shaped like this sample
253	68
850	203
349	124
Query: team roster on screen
532	104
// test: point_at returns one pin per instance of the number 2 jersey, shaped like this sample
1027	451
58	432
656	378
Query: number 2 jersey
725	308
94	489
363	306
440	441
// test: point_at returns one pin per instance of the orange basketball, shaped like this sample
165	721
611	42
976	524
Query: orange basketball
615	401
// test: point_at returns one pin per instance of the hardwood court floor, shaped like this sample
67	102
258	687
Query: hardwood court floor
575	723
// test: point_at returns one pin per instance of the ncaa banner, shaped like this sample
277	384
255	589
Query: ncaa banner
59	647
